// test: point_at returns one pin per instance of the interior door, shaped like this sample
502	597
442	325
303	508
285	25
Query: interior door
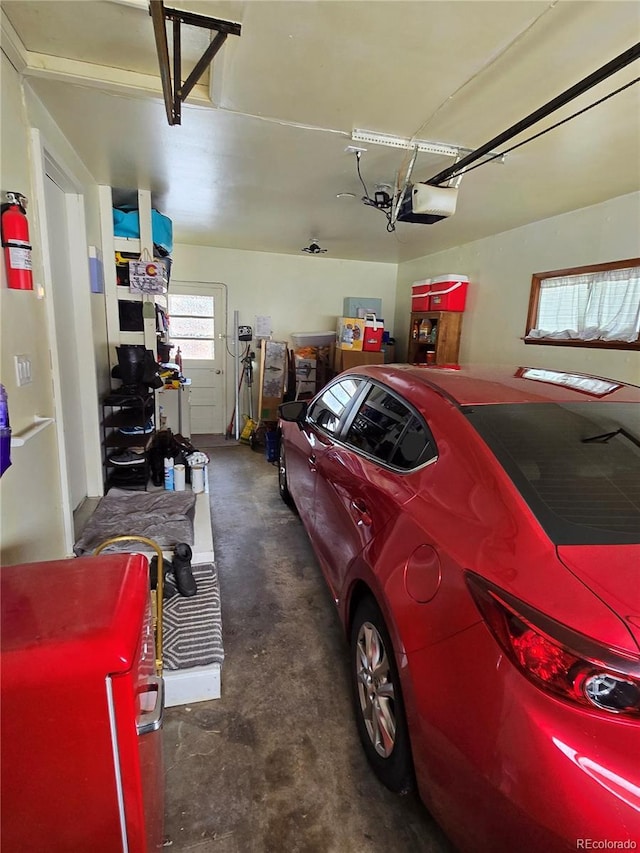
197	327
69	388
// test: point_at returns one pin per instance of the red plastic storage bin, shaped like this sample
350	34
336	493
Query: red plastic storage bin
420	295
448	293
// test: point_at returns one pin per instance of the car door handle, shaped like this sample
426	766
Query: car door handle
361	513
311	460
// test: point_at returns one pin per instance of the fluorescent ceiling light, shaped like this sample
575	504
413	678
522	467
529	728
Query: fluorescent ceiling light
421	145
403	142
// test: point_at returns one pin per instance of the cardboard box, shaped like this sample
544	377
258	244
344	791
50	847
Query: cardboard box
305	367
273	365
389	352
345	360
350	333
305	389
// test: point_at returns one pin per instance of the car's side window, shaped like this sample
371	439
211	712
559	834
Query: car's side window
386	428
414	447
328	408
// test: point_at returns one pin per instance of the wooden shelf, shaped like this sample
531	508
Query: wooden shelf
444	342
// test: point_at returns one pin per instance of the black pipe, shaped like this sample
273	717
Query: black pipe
621	61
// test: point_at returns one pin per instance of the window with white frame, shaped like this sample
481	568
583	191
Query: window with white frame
587	306
192	325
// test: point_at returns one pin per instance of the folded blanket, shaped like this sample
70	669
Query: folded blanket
166	517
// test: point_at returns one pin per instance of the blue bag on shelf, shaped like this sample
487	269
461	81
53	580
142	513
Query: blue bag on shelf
162	231
126	223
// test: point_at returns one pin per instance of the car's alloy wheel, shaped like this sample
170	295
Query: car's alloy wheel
283	488
378	699
376	692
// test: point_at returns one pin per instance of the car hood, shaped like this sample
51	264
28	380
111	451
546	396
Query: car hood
613	574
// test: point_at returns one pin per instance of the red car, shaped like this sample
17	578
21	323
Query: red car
479	530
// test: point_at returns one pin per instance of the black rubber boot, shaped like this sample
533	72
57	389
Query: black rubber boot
131	362
169	586
185	580
151	374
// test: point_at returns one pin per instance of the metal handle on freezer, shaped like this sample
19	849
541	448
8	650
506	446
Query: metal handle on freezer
152	720
158	599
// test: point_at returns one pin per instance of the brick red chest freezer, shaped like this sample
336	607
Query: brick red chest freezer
81	708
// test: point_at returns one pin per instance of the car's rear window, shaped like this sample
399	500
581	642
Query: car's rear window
577	465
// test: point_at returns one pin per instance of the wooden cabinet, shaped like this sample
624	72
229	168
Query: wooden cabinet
434	337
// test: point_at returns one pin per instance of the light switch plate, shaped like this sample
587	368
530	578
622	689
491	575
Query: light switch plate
23	369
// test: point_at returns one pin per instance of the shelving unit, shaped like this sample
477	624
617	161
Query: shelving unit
442	343
125	410
116	294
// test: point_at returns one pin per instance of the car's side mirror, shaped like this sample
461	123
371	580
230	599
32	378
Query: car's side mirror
294	411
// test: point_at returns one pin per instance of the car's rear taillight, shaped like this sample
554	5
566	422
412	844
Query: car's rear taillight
556	658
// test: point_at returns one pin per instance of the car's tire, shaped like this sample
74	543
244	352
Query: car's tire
377	698
283	487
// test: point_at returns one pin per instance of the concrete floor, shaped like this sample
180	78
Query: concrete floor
275	765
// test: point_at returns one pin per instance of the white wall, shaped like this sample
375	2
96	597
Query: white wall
31	516
64	155
300	294
30	495
500	269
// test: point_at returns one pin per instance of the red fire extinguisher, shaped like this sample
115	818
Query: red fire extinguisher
15	240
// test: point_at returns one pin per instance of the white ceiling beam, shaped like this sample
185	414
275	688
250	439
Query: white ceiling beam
12	45
116	80
135	4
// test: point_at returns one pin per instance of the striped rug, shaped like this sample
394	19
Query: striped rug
192	627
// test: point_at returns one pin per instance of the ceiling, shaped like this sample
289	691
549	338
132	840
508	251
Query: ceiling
259	158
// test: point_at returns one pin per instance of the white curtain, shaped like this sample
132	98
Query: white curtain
601	306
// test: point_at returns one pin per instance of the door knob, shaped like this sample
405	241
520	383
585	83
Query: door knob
218	372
